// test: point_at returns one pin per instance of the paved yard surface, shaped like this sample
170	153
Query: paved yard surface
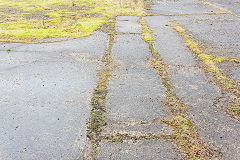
162	86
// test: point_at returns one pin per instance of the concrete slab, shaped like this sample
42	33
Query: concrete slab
217	33
137	129
145	150
173	7
128	24
233	5
44	98
168	43
6	46
215	127
92	44
133	104
136	92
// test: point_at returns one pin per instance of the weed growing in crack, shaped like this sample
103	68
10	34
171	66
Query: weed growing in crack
146	32
185	135
123	137
97	115
210	65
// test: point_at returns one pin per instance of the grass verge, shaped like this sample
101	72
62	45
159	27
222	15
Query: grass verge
185	134
32	21
211	66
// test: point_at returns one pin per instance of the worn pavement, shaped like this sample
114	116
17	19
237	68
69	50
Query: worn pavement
46	89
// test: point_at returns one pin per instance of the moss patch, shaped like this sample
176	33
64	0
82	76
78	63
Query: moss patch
32	21
146	32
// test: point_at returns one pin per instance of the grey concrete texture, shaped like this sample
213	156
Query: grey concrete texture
136	92
230	5
216	128
219	34
145	150
44	97
173	7
137	129
45	89
134	103
128	24
90	44
167	43
231	70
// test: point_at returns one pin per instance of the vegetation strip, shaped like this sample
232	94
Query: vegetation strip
97	114
32	21
186	136
210	65
118	137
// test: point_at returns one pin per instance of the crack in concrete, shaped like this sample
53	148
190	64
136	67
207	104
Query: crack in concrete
97	114
210	66
121	137
187	137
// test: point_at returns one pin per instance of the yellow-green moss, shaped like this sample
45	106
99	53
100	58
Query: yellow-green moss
226	59
146	32
31	21
211	63
190	43
235	109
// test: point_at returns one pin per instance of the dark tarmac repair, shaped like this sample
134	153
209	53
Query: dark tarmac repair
45	89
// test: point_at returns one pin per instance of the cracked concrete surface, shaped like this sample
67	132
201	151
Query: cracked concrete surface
44	97
45	89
